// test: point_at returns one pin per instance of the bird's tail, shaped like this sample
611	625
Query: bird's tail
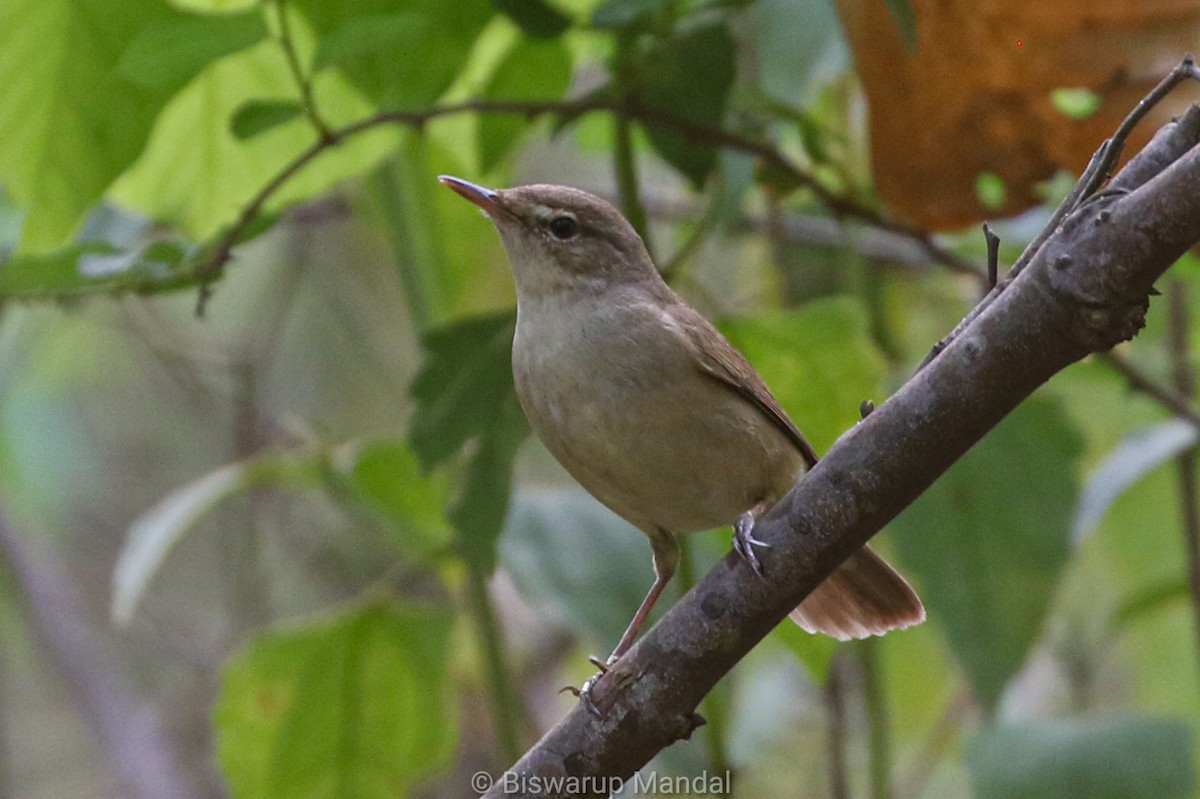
864	597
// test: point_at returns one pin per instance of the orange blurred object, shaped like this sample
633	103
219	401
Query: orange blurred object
974	97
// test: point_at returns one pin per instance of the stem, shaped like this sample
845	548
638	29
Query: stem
879	741
303	83
835	704
505	712
715	706
624	160
1178	324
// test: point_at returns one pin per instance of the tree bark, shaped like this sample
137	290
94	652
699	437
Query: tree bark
1086	290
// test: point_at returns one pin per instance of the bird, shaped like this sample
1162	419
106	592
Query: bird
651	409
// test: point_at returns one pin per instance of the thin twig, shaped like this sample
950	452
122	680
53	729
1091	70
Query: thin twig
1139	380
993	256
1178	345
1085	188
303	82
842	206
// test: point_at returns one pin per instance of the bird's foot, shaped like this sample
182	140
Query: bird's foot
744	542
584	692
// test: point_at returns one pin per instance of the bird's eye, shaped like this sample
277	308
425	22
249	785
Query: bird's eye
563	227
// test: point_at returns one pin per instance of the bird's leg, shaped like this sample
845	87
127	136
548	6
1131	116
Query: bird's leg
666	559
744	541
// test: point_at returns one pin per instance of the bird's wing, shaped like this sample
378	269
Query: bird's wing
718	359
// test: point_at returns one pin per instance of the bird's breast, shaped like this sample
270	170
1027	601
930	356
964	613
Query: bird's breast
613	392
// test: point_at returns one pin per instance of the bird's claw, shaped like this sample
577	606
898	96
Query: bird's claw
584	693
744	542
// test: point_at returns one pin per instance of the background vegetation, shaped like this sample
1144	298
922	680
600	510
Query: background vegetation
271	520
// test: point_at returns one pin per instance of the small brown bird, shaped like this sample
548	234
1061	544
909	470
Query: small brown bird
650	408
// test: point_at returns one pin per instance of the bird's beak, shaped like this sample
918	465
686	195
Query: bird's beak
487	199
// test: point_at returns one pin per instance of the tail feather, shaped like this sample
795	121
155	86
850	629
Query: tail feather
864	597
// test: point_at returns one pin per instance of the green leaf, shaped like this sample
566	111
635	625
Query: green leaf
95	268
398	53
356	707
990	190
906	22
373	35
533	70
1123	757
1076	103
1138	454
173	50
465	380
156	532
819	361
688	76
627	14
259	116
577	561
197	174
384	476
1157	595
70	122
537	18
478	512
988	541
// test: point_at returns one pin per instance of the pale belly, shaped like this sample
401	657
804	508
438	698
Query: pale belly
644	430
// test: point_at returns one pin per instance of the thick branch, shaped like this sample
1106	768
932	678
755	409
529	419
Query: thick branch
1085	290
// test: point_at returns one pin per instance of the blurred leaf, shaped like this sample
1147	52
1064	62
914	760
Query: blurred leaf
1089	758
988	540
384	476
1138	454
463	383
533	70
818	360
196	173
797	45
155	533
626	14
173	50
70	122
990	190
1076	103
906	22
688	76
259	116
577	561
478	512
357	707
536	17
1156	596
369	36
96	268
399	53
464	391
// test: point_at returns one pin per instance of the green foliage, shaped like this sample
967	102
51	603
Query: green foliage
259	116
819	361
536	17
88	269
464	392
1076	103
906	21
71	120
988	541
398	54
1122	757
170	51
356	707
532	70
687	75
